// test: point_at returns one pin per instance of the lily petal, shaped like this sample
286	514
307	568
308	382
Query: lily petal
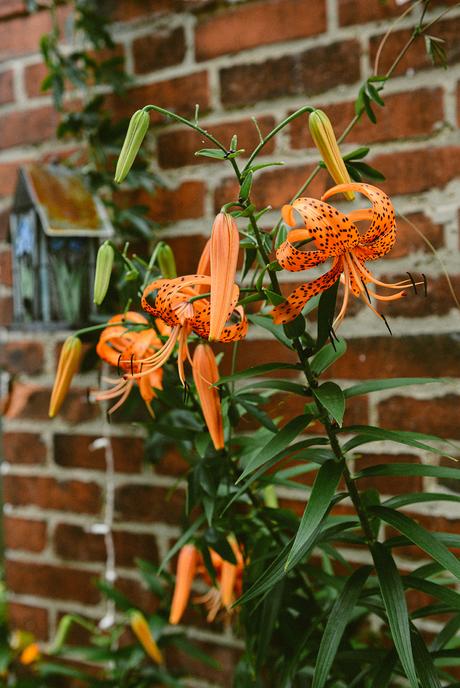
224	249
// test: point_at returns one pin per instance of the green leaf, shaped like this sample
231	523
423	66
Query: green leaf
383	672
327	355
326	310
400	469
257	413
420	537
369	433
338	620
112	593
440	592
331	397
368	172
395	604
281	385
276	444
389	383
211	153
184	538
267	323
257	371
269	615
426	669
245	189
319	502
416	498
357	154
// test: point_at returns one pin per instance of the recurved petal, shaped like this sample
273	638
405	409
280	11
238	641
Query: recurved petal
224	248
293	305
205	375
331	230
293	259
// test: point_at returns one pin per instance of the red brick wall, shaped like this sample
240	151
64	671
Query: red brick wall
237	60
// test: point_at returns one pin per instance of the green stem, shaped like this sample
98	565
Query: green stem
102	326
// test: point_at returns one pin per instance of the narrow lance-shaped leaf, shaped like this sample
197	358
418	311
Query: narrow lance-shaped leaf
337	622
318	504
395	604
389	383
331	397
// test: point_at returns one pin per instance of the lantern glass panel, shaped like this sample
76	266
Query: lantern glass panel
26	267
69	273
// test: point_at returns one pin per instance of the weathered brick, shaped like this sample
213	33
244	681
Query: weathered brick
146	503
434	355
171	463
291	74
73	542
73	451
187	251
177	148
361	11
137	593
6	273
4	221
419	170
6	87
6	310
34	75
407	115
9	8
8	178
258	351
49	493
386	484
32	401
21	533
21	35
22	357
28	127
130	546
439	300
259	23
179	94
184	202
416	57
438	416
27	618
125	10
158	50
23	448
226	657
408	240
55	582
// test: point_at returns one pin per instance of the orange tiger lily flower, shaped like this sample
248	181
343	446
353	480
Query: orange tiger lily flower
224	247
336	236
205	375
124	348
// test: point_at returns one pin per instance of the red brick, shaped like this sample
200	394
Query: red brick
32	401
406	115
138	594
439	300
26	618
386	484
226	657
361	11
179	94
171	205
6	87
6	310
275	187
4	222
23	448
73	451
409	172
255	352
22	357
55	582
187	251
171	463
27	127
21	533
437	416
22	35
34	75
49	493
177	148
9	8
146	503
125	10
8	178
291	74
417	58
6	276
259	23
158	50
408	240
424	355
130	546
72	542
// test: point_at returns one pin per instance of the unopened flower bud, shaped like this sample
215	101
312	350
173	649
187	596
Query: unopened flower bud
104	264
137	130
141	629
324	138
166	261
67	367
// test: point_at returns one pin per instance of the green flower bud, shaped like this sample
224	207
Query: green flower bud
137	130
166	261
323	135
104	263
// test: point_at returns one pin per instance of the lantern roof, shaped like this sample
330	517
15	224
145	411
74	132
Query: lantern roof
65	206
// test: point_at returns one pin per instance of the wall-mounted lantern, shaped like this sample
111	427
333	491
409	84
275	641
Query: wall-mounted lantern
56	226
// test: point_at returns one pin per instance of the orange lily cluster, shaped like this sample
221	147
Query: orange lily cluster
229	578
336	236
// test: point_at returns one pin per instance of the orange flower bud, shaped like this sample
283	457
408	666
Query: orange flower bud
30	654
143	633
324	138
186	568
224	248
205	375
67	367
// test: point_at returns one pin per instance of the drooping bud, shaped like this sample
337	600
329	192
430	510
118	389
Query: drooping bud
142	631
67	367
137	130
323	135
166	261
186	569
104	264
30	654
205	375
224	248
